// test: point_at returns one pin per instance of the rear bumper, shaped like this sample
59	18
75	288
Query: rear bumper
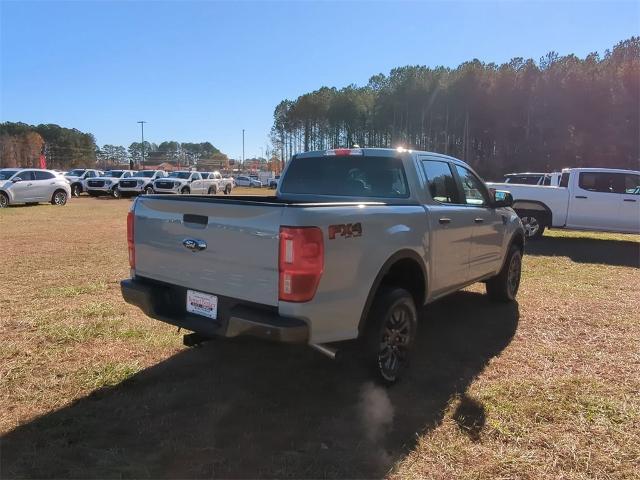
235	318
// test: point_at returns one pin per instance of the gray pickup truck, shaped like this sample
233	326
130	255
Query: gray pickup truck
352	245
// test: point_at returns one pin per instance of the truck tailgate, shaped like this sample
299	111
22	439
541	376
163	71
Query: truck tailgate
241	255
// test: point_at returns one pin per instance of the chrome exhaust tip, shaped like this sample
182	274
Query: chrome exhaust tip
332	353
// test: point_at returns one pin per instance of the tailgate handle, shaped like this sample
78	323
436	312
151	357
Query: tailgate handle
197	219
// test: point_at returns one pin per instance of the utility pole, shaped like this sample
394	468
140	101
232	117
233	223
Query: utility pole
142	122
243	148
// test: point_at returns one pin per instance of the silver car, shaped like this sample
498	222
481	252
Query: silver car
32	185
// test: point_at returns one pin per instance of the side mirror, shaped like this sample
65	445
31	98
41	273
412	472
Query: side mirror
16	179
502	198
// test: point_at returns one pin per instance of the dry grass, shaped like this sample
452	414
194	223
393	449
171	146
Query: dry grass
547	389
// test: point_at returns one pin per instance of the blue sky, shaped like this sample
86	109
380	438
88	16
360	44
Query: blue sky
205	70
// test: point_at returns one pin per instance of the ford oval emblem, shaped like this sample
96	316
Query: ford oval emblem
194	245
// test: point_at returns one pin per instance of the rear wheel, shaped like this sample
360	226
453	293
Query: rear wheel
59	198
148	190
76	190
504	286
227	190
213	190
115	192
391	331
4	200
533	226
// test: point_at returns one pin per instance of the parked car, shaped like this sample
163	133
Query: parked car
273	183
245	181
32	185
375	234
214	182
182	182
107	184
77	179
552	179
600	199
140	182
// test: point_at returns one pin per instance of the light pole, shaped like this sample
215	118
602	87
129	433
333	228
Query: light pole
142	122
243	148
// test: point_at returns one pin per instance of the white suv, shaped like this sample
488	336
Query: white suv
77	179
140	182
31	185
107	184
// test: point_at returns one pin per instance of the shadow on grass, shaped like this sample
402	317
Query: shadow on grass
625	253
248	409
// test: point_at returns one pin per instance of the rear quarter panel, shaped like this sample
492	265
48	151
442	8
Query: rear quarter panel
353	262
555	198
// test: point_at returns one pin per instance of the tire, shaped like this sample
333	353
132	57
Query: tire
185	191
504	286
533	226
227	190
115	192
148	190
213	190
76	190
390	334
59	198
4	200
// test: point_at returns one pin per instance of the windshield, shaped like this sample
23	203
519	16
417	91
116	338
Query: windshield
145	174
75	173
7	174
183	175
352	176
114	173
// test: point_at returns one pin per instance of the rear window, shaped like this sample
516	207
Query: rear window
522	179
351	176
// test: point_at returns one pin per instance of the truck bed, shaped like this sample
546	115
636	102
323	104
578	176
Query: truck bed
240	259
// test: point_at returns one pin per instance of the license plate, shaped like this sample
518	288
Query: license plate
202	304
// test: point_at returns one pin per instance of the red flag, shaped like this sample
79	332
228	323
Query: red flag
43	161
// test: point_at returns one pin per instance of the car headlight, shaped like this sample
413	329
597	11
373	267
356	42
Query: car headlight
139	183
107	182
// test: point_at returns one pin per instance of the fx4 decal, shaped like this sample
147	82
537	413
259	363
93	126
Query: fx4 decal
345	230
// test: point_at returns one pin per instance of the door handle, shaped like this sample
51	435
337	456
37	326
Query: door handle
29	184
478	220
629	200
580	196
444	220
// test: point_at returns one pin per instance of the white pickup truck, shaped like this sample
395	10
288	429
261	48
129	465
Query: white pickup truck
599	199
215	182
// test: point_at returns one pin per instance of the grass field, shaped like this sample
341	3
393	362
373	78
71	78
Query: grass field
90	387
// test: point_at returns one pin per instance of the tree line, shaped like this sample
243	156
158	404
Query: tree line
562	111
65	148
22	144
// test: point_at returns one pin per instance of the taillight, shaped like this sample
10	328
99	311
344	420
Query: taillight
301	263
131	244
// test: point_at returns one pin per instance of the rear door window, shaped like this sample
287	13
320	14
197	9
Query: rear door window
608	182
347	176
440	182
40	175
